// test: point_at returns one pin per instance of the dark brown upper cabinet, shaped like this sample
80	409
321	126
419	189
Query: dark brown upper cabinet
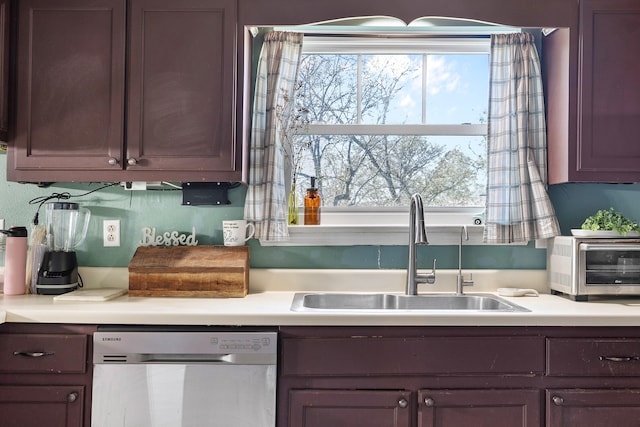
70	89
110	90
4	68
180	116
606	147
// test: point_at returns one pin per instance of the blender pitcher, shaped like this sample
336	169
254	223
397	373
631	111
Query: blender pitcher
62	220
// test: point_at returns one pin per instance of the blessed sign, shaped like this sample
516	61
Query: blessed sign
169	238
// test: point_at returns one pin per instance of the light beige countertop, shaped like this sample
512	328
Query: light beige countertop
272	291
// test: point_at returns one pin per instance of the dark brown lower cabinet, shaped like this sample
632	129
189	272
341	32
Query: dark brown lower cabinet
410	377
350	408
608	371
45	375
51	406
459	377
479	408
397	408
593	407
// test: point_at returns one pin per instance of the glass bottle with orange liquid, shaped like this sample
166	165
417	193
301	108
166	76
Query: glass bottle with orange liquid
312	204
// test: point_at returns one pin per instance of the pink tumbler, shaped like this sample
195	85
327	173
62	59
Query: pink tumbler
15	261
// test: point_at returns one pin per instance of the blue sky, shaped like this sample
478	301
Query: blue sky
457	88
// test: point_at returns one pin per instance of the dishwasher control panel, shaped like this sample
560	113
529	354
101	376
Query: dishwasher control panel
170	347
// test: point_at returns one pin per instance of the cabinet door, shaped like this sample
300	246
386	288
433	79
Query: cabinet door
602	408
609	105
349	408
70	88
43	353
181	88
51	406
479	408
4	68
593	357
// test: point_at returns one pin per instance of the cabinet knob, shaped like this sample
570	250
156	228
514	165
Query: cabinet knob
113	161
72	397
132	162
429	401
403	403
557	400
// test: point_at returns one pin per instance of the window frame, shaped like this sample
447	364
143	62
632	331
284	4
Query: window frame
348	226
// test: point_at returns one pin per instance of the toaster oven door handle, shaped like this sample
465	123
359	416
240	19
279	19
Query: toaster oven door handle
605	247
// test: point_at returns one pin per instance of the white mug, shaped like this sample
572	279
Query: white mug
234	232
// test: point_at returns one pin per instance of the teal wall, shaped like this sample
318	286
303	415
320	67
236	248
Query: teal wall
163	210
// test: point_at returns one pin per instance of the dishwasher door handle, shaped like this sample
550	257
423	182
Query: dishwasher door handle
186	358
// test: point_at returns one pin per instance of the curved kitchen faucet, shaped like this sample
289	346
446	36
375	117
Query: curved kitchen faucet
417	236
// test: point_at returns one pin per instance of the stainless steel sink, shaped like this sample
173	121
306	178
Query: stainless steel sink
344	301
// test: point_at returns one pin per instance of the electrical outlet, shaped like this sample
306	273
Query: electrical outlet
111	232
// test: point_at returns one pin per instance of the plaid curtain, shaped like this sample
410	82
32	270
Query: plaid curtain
266	201
518	206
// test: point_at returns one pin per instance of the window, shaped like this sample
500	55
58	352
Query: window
383	118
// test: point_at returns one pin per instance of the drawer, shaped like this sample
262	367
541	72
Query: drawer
588	357
513	355
43	353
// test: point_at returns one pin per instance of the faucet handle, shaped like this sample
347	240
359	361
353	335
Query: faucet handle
469	282
431	277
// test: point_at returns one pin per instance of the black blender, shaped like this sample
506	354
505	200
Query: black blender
58	271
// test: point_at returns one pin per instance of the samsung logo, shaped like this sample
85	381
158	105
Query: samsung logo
111	339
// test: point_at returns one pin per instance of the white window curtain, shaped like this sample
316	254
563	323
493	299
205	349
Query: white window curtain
518	206
266	201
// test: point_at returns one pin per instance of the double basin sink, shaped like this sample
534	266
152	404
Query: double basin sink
313	302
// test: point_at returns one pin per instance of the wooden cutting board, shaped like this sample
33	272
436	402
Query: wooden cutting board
190	271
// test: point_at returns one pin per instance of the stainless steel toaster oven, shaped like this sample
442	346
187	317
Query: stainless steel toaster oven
582	267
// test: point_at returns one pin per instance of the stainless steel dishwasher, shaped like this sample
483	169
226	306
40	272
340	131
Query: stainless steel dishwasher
184	378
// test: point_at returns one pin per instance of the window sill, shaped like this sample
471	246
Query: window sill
352	227
353	235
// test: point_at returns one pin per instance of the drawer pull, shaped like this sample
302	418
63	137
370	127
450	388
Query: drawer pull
33	353
619	358
429	401
403	403
557	400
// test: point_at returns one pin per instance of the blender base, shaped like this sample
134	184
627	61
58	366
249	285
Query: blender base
58	273
55	289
